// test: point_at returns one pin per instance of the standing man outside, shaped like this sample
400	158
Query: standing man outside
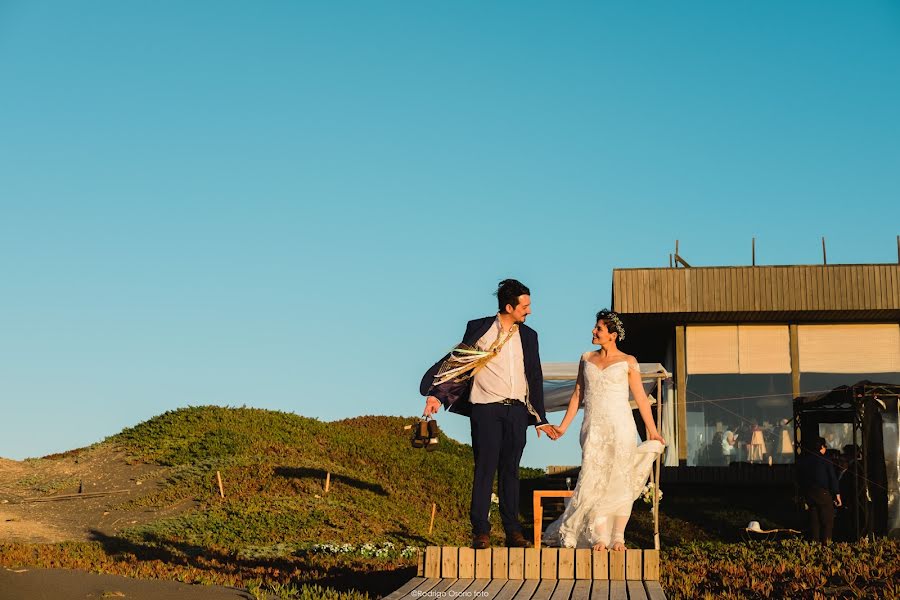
495	380
819	486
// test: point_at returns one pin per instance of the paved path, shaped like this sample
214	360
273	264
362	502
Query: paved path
66	584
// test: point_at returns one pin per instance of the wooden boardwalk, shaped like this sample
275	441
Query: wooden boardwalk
528	589
534	574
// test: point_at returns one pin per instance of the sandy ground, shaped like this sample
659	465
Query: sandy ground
64	584
29	512
40	503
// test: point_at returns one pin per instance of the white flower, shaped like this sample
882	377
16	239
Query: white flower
647	493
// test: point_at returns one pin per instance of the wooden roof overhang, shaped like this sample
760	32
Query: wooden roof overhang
775	294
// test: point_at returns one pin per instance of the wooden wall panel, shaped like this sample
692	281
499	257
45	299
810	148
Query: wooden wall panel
774	290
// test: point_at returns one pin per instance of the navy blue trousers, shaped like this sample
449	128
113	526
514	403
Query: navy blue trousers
498	439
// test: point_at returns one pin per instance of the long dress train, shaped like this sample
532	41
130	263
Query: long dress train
614	467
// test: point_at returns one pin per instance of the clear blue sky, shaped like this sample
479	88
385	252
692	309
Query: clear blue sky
297	205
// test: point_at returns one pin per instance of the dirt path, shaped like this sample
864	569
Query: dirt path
99	471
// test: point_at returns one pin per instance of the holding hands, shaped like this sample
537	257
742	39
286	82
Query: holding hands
551	431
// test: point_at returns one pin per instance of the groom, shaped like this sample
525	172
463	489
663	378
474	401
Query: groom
501	400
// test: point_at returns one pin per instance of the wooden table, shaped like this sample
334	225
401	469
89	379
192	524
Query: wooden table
539	510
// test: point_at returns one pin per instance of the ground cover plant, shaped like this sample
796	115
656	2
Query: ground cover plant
278	534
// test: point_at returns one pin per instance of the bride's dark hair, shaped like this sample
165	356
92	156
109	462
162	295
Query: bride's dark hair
612	322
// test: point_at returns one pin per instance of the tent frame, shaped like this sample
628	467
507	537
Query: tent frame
836	406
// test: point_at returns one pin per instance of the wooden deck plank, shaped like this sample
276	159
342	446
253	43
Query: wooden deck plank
494	589
483	563
618	590
450	561
633	564
651	565
427	585
500	562
548	563
466	563
456	590
565	566
432	561
563	589
544	590
583	563
582	590
600	590
601	564
443	585
521	590
616	566
406	588
654	590
517	563
532	563
636	590
478	585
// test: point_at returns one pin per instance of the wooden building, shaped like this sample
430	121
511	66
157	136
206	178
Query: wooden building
742	342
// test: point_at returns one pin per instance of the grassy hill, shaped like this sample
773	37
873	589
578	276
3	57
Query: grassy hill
274	467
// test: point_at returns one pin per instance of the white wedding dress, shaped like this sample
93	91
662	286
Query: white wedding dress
614	467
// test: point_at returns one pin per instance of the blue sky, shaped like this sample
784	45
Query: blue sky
297	206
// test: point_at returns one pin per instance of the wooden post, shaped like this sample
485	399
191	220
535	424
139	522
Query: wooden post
221	489
661	393
327	482
795	359
681	391
754	251
433	511
824	255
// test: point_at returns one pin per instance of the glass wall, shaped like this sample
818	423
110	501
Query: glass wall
819	383
739	417
739	401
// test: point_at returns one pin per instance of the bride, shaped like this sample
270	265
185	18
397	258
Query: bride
614	468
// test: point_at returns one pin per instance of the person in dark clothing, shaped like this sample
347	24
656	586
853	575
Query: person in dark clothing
819	487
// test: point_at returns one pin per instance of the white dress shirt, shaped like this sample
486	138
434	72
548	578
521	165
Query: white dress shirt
504	376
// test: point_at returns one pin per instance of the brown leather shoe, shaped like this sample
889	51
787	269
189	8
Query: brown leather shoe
481	541
517	540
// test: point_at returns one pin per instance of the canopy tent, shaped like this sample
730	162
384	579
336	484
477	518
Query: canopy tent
559	383
870	410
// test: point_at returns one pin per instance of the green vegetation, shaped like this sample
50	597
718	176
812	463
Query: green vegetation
782	569
279	535
274	467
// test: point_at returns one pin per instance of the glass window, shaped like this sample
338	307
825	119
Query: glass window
733	417
817	383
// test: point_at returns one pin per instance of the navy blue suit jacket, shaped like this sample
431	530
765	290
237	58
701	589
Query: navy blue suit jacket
455	396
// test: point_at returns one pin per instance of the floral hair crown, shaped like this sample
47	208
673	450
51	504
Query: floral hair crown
613	319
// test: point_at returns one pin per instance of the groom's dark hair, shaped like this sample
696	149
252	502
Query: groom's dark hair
508	292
